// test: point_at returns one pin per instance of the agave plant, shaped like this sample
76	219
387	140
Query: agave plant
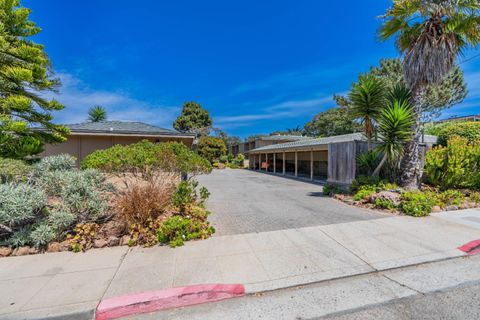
367	98
394	128
430	34
97	113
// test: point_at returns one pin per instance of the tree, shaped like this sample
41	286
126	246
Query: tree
332	122
25	77
296	131
367	98
193	119
430	34
211	148
97	114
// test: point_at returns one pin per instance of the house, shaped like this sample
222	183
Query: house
330	159
261	141
473	117
88	137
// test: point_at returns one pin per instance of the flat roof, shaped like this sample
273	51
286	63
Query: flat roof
314	142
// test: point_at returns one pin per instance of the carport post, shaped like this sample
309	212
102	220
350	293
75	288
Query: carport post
311	165
274	162
266	162
283	168
296	164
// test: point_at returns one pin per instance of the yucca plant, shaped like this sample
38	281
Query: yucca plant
430	34
368	161
394	128
97	114
367	98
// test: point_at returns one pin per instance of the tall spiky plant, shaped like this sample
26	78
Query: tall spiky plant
394	129
367	98
430	34
97	114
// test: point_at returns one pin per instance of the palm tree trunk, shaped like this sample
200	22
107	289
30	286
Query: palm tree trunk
411	164
376	172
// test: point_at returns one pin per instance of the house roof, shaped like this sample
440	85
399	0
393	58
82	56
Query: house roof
306	143
122	128
283	137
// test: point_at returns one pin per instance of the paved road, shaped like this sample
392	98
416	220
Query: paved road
244	201
442	290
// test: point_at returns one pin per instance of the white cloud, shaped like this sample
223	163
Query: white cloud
78	97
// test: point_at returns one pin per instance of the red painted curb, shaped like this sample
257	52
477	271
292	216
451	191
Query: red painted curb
122	306
471	248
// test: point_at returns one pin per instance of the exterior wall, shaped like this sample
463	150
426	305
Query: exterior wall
82	146
342	163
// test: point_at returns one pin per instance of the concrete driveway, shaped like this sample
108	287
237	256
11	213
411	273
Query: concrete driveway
244	201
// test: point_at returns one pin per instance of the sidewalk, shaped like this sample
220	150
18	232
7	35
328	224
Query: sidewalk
68	283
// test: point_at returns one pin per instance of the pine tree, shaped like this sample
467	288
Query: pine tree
25	77
193	119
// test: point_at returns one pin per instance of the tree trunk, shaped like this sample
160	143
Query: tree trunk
376	172
411	164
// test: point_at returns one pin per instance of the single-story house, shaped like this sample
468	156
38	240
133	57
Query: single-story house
88	137
330	159
261	141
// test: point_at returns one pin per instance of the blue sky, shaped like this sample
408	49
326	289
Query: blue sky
257	66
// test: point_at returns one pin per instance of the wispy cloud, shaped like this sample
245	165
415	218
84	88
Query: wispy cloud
78	97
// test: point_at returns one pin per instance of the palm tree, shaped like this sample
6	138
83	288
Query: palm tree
430	34
97	113
394	127
367	99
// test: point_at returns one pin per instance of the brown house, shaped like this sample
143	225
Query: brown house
88	137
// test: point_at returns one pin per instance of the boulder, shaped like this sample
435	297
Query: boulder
5	251
393	197
436	209
100	243
451	208
114	228
53	247
22	251
33	250
113	241
125	240
64	245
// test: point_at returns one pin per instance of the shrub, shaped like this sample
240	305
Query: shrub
364	193
13	170
186	195
449	198
364	181
475	197
384	204
224	159
143	202
455	166
60	220
83	236
62	162
330	190
416	203
20	203
42	235
211	148
144	234
469	130
145	159
176	230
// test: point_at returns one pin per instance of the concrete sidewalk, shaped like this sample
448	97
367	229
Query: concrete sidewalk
67	283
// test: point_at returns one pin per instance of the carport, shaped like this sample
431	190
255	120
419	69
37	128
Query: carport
330	159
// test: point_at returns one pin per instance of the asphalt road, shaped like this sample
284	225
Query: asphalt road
244	201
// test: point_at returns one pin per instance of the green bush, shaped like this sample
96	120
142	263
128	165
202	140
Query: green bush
449	198
211	148
475	197
469	130
416	203
176	230
13	170
61	162
384	204
362	180
147	158
455	166
364	192
330	190
42	235
187	195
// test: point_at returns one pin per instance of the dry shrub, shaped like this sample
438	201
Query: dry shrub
145	201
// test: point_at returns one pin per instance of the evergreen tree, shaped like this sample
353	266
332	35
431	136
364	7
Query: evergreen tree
193	119
25	75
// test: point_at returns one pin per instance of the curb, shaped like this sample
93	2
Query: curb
151	301
471	248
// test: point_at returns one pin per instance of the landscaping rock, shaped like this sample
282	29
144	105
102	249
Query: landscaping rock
5	251
113	241
124	241
64	245
114	228
436	209
100	243
33	251
22	251
221	166
393	197
53	247
452	208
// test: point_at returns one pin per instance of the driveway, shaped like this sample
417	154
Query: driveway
244	201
